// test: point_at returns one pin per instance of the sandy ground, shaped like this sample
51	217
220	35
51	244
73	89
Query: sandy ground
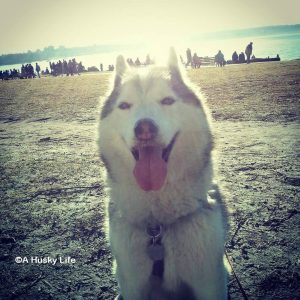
52	195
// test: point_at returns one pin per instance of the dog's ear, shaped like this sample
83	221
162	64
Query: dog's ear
173	64
173	61
178	81
121	67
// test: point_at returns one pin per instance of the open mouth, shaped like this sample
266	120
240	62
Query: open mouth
151	164
165	152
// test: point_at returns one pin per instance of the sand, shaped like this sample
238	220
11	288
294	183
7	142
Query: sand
52	194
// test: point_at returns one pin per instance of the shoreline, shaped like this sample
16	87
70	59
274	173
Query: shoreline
187	68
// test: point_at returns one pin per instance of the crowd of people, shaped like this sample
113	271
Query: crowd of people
27	71
71	67
193	61
64	67
219	60
61	68
196	61
243	56
9	74
138	63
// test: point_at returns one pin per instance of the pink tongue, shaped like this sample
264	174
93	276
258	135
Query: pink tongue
150	170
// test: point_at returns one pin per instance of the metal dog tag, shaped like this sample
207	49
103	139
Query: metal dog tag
156	251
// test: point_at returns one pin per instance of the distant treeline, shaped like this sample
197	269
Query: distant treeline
51	52
251	32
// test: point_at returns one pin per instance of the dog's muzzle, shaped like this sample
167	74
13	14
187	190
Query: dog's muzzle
151	157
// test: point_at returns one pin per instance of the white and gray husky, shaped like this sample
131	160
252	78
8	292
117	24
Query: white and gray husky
167	221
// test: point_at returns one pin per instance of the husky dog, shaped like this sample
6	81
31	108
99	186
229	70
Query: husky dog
167	221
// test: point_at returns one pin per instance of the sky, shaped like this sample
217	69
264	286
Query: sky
35	24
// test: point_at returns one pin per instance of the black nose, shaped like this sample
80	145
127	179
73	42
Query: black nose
145	129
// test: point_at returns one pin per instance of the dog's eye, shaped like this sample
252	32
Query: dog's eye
124	105
167	101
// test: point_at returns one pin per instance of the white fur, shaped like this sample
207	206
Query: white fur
193	244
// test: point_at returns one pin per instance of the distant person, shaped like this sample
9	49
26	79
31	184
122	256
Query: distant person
188	57
101	67
219	59
51	67
65	67
37	69
30	71
130	61
74	66
23	71
248	52
181	59
60	68
70	67
26	71
196	61
137	62
80	68
148	60
4	75
235	57
242	57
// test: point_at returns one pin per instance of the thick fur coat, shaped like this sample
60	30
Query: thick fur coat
155	142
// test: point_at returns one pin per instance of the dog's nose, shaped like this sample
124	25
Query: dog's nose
145	129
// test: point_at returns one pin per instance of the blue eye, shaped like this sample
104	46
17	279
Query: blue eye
167	101
124	105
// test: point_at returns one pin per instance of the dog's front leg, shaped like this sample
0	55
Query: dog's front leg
213	288
133	266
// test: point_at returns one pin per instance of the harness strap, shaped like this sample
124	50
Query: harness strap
158	268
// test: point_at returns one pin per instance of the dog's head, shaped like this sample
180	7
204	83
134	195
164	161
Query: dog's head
153	129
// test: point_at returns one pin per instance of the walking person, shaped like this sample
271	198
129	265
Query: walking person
189	57
219	59
248	52
38	69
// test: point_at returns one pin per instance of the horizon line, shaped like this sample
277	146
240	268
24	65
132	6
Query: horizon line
118	44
